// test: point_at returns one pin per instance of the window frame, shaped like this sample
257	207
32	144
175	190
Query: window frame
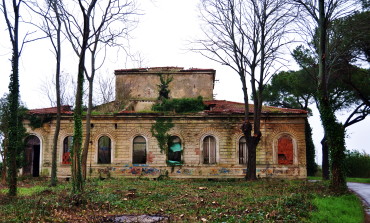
133	147
182	148
216	159
110	147
246	150
63	150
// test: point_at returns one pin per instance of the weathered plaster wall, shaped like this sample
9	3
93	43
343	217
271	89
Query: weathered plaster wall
191	130
144	85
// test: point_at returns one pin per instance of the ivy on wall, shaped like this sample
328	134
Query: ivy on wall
36	121
160	130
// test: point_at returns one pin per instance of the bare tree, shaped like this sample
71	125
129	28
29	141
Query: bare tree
247	36
67	90
52	27
109	22
317	16
105	89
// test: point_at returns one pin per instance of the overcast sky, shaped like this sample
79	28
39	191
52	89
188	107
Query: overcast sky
161	37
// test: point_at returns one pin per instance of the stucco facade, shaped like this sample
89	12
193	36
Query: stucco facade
214	132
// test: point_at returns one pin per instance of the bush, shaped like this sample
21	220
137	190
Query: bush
183	105
357	164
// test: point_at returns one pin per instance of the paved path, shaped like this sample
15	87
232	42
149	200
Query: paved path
362	190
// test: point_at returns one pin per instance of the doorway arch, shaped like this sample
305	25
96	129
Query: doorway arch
32	156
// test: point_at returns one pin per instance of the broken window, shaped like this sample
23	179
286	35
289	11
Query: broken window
174	151
67	147
139	150
104	150
285	150
243	152
209	150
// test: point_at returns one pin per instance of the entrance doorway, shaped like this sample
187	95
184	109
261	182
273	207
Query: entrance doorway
32	157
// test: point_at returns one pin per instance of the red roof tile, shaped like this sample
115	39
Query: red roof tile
66	109
229	107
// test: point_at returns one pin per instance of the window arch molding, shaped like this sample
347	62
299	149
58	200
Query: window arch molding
275	147
133	137
96	146
217	153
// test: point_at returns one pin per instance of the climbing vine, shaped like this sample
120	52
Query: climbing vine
36	121
160	131
164	91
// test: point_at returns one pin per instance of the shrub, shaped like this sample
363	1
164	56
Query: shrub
357	164
183	105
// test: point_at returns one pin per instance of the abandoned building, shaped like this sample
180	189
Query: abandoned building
202	144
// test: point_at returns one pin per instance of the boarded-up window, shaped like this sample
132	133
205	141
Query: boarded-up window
104	150
139	150
209	150
285	150
243	152
67	147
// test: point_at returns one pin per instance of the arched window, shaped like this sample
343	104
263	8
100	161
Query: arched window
139	150
174	150
209	150
285	150
243	152
104	150
67	147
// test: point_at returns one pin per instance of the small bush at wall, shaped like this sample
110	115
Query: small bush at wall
183	105
357	164
36	121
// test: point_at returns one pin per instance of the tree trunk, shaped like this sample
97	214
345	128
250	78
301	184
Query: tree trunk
334	131
13	147
88	131
310	150
54	179
4	169
325	159
77	178
335	139
252	142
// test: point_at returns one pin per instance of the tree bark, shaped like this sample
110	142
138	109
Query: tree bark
14	133
4	169
88	131
334	131
54	179
325	159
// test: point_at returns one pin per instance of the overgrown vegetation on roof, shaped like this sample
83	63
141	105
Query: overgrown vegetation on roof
37	120
182	105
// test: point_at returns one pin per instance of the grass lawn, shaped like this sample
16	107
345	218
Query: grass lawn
349	179
180	200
